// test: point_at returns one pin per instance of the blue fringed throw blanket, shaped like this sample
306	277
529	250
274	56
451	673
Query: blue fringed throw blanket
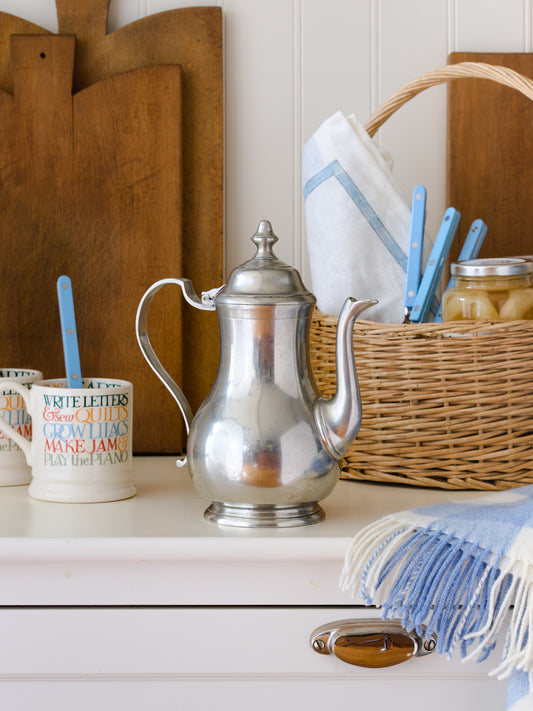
465	571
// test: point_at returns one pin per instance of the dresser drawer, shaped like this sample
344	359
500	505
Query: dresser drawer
213	658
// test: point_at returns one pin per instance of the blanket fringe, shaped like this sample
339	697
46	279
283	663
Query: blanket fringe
434	582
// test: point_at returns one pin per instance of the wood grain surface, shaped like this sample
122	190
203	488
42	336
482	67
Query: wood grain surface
112	173
490	156
88	189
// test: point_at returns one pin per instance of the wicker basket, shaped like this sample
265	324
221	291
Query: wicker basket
447	405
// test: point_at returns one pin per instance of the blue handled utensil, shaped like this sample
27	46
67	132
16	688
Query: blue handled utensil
470	250
435	265
68	332
416	242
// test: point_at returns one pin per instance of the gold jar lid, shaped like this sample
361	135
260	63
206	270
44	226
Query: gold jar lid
496	266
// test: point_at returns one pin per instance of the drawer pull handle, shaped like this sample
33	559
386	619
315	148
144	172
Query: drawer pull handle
370	643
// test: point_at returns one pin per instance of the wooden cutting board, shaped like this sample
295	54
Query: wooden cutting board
490	156
112	173
88	190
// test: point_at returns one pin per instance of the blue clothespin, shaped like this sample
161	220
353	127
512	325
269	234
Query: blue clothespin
470	250
435	265
416	243
68	332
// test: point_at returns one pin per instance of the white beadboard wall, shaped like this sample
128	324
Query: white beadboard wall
289	64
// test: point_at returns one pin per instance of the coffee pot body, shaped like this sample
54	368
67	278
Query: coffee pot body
264	447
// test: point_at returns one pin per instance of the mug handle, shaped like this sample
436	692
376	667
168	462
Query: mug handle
8	430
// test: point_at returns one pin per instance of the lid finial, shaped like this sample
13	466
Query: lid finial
264	239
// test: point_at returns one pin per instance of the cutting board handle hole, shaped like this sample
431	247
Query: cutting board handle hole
42	55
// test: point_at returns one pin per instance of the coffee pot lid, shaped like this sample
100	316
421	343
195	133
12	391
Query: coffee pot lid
264	277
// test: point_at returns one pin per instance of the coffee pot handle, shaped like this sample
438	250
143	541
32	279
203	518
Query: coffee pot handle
205	303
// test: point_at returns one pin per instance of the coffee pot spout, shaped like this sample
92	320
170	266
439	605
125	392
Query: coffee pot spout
338	419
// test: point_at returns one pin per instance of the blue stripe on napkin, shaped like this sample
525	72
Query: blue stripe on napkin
335	169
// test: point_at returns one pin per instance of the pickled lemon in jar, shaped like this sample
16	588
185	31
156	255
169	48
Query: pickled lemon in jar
499	289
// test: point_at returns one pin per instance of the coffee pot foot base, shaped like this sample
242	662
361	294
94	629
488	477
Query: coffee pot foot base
264	515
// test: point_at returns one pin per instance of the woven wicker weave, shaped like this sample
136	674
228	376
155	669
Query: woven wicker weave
446	405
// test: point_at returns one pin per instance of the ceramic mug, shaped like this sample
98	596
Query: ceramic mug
14	469
81	447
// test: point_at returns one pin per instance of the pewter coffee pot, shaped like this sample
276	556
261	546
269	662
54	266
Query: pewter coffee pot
264	447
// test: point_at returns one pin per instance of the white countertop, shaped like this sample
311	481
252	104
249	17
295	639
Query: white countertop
156	548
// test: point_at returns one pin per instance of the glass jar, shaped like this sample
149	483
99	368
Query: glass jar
499	289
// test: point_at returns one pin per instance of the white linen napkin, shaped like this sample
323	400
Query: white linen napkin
357	221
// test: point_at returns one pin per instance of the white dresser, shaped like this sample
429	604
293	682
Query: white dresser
141	604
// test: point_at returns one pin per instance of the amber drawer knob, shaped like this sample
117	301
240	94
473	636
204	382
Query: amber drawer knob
370	643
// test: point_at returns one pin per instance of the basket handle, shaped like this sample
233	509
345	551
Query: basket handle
478	70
